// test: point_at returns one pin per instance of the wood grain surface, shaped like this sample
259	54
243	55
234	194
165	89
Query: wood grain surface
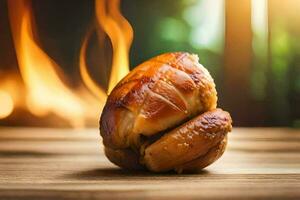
260	163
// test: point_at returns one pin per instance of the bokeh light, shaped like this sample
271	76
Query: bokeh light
6	104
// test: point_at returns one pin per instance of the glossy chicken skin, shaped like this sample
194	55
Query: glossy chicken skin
163	116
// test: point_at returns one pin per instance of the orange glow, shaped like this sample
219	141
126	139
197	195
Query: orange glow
13	86
6	104
46	92
11	93
120	33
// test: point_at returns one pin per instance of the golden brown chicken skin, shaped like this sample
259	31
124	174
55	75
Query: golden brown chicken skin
162	116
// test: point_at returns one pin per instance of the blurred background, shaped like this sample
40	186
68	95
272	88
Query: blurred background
250	47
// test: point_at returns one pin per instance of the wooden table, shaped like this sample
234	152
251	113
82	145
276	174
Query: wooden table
69	164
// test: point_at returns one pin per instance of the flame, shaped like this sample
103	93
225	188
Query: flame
42	89
6	104
89	82
46	92
120	33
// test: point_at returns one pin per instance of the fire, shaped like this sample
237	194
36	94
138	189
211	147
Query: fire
45	90
91	85
120	33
